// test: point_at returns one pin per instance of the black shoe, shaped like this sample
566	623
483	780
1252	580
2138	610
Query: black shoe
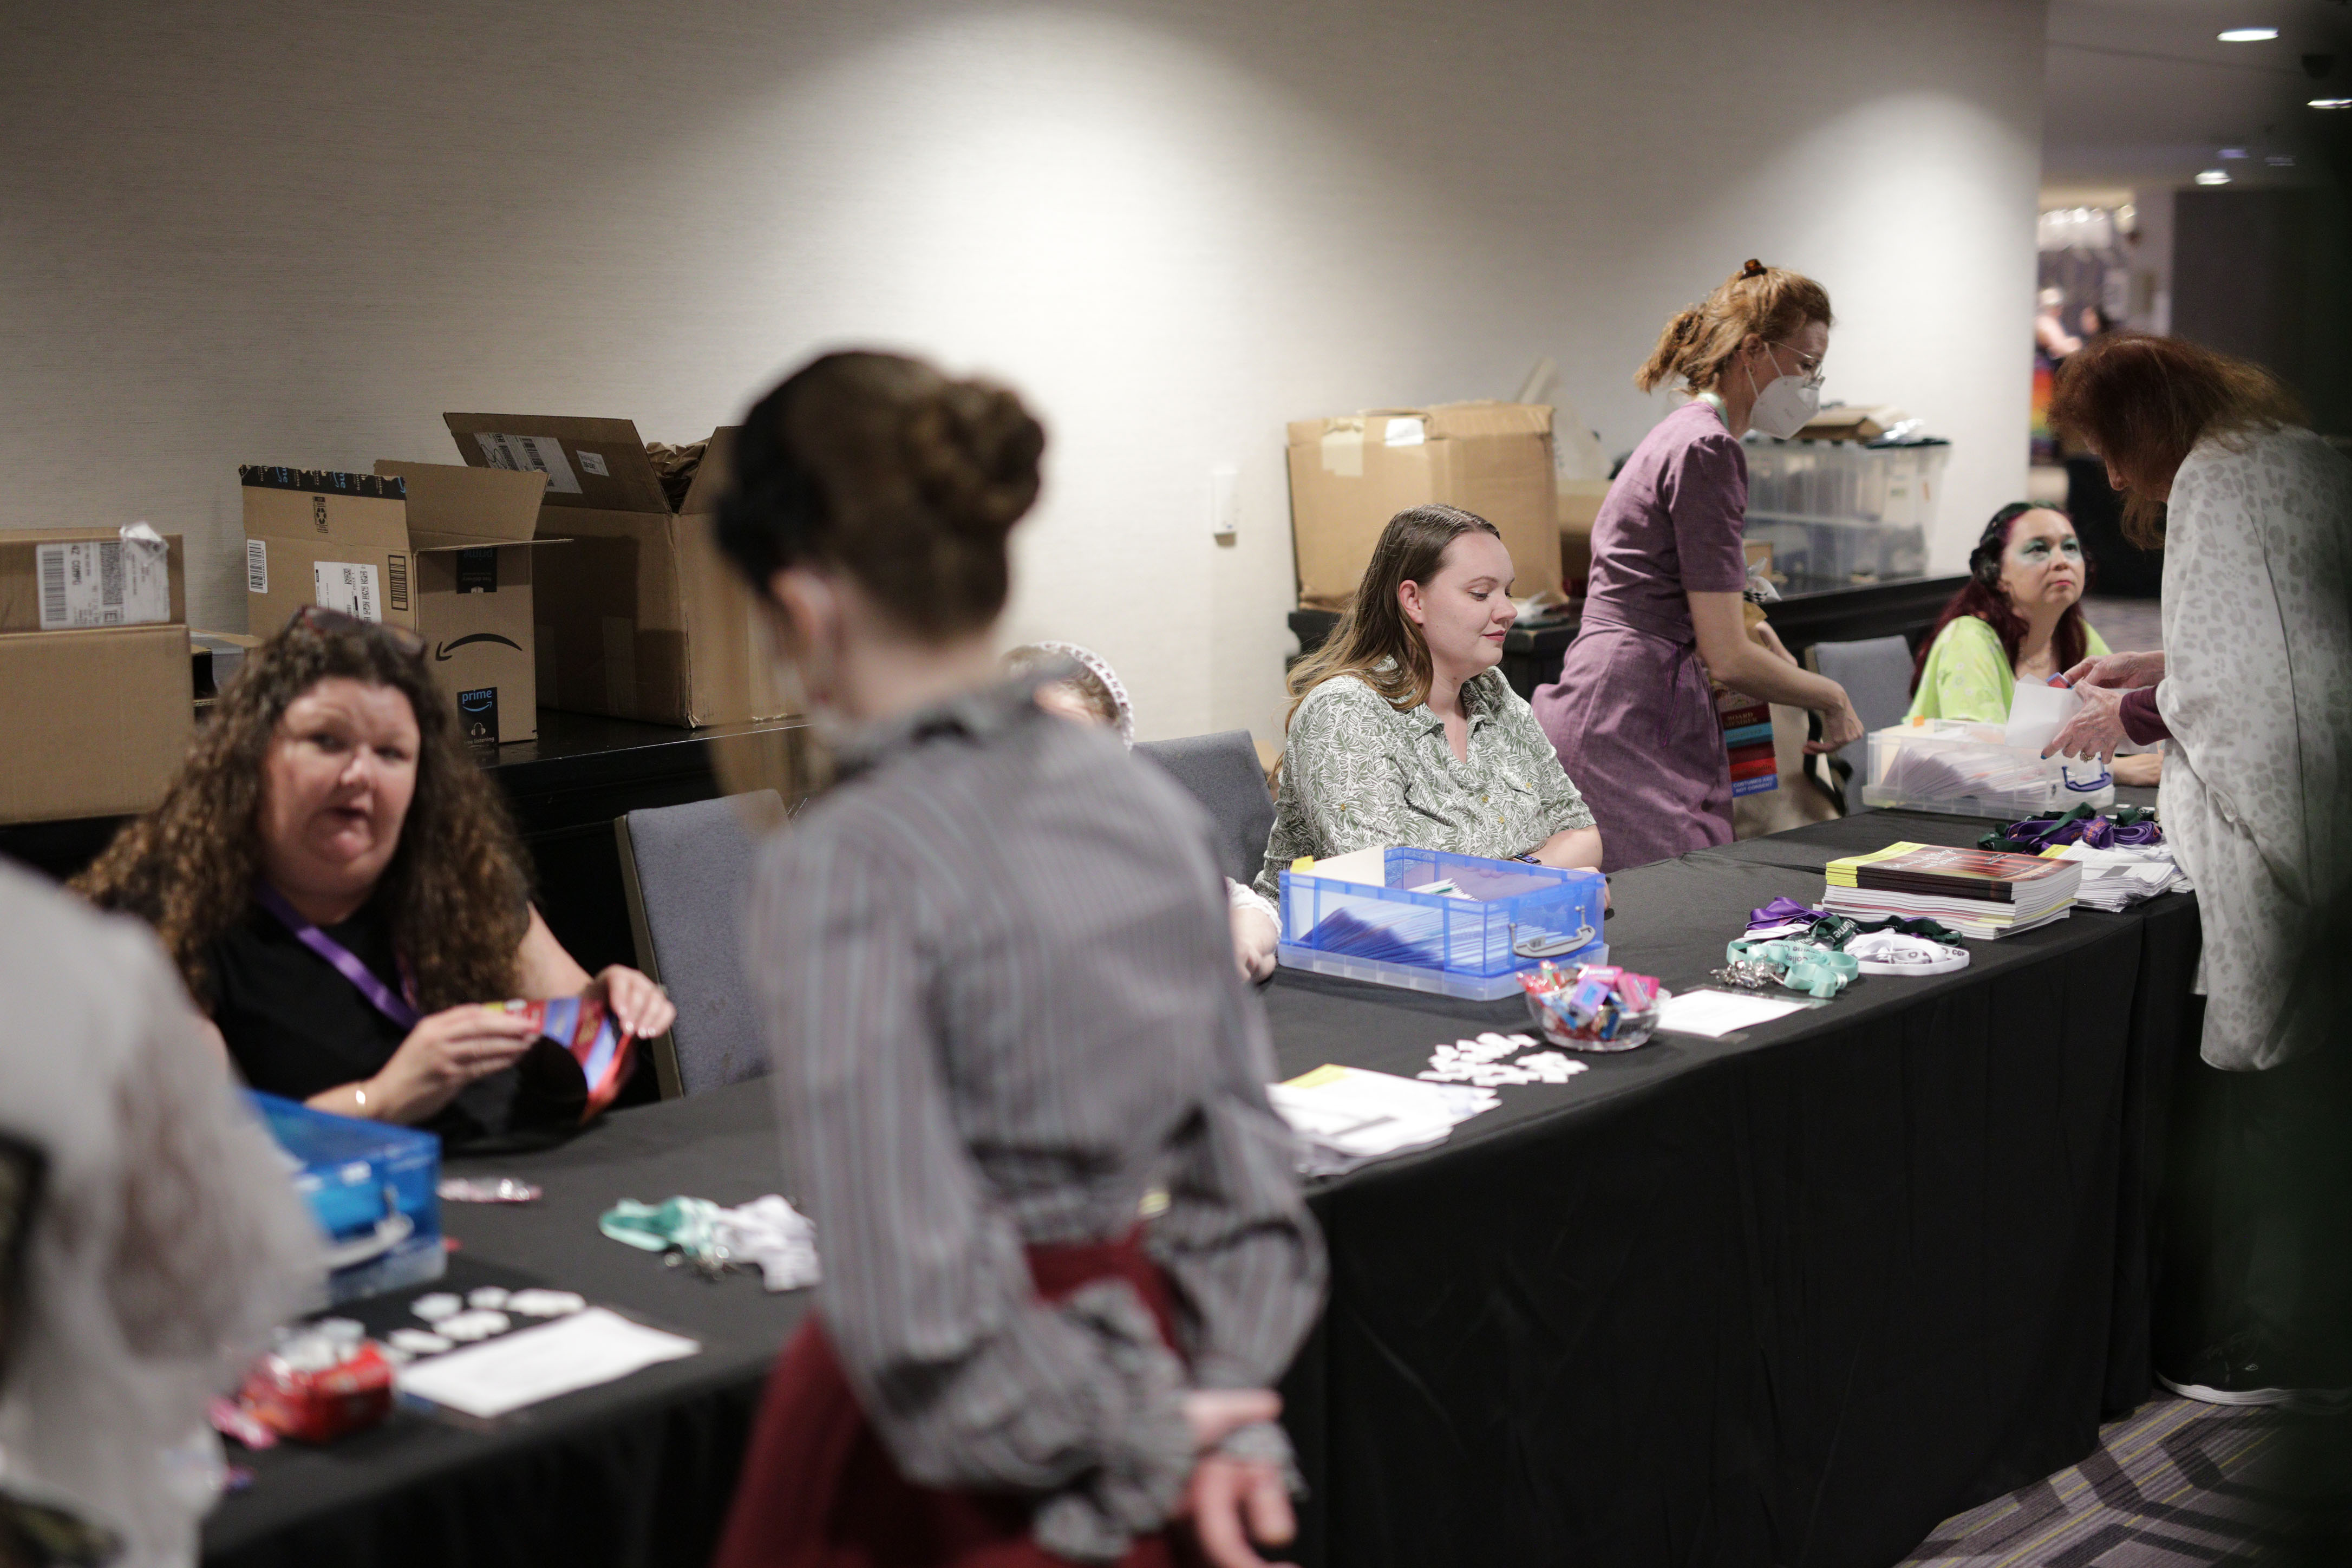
2246	1369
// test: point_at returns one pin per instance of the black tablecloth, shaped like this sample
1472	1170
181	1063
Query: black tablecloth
638	1471
1789	1296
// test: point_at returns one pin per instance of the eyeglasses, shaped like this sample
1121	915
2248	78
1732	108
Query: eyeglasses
322	618
1807	365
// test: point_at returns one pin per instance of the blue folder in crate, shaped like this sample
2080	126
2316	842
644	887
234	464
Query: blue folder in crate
373	1189
1429	921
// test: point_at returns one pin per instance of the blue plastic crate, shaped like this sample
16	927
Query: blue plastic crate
1512	916
372	1187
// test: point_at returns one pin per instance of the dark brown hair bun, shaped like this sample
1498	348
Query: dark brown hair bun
973	450
879	466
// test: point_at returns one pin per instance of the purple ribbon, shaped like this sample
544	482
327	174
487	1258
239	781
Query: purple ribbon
385	1000
1783	911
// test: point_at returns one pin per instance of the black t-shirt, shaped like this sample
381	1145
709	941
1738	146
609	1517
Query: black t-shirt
297	1026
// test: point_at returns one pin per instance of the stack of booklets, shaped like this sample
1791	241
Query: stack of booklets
2117	879
1976	892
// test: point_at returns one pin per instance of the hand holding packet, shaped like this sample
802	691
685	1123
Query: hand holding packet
582	1057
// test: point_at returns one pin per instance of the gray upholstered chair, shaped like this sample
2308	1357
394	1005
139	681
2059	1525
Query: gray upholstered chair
1876	675
687	869
1222	772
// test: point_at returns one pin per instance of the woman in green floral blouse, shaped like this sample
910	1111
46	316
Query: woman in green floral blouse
1403	730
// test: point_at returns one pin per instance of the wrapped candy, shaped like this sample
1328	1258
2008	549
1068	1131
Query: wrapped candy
1593	1007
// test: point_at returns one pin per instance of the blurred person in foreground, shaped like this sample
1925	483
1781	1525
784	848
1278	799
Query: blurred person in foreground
162	1242
2017	617
1090	692
2252	697
1001	1008
342	891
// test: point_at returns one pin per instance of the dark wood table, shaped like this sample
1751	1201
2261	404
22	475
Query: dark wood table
1809	611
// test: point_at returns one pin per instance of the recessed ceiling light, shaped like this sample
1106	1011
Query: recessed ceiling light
2248	35
2214	177
2234	152
2331	103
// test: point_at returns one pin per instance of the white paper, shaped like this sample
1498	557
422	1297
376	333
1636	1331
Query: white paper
2037	712
1368	866
594	463
256	566
1405	433
581	1351
1364	1115
347	585
529	454
1716	1013
124	581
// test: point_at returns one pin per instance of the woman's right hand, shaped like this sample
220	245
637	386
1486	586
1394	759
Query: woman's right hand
1840	727
443	1054
2129	671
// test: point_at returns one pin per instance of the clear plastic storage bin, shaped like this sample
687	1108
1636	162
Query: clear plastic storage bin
1942	764
1841	510
374	1190
1505	917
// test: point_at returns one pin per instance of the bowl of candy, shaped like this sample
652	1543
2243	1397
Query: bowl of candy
1593	1006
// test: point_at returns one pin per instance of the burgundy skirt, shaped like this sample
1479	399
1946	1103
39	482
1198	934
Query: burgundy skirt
819	1489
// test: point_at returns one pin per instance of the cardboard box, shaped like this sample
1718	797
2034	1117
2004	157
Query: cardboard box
93	577
640	617
445	550
1577	503
98	720
1349	475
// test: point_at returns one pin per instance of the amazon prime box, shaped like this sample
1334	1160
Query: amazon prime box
443	550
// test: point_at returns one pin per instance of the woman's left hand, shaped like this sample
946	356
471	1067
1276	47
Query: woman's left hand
2096	731
638	1005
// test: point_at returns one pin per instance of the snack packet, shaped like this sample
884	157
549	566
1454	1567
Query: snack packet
581	1055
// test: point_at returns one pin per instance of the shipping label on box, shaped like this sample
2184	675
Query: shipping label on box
69	579
1349	475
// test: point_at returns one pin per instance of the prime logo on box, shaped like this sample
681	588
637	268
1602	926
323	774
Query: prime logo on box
477	712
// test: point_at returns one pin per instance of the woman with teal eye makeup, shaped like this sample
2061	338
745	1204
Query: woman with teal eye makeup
2018	618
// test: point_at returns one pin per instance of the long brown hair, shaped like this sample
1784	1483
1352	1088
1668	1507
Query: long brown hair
904	478
1983	598
1375	640
1770	301
2143	402
455	890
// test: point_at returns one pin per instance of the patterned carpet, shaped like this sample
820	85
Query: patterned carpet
2170	1484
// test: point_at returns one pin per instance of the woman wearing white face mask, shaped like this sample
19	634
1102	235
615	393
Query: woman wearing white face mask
1633	714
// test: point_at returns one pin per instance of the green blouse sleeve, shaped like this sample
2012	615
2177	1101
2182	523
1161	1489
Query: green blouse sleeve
1966	677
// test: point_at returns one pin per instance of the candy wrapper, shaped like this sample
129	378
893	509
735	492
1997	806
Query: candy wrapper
320	1382
1593	1007
581	1058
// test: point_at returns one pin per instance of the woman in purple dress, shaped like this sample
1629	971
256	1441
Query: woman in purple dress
1633	714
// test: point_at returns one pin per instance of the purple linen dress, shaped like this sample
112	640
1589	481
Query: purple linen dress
1632	715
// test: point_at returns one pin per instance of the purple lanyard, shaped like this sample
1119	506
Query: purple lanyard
388	1002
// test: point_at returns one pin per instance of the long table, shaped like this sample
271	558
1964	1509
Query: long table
1789	1296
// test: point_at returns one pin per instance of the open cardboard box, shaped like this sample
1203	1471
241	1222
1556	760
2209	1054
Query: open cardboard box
1351	474
443	550
640	617
99	704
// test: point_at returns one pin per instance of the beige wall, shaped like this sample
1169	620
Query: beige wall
297	232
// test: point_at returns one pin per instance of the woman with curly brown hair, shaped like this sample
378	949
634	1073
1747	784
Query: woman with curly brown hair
341	890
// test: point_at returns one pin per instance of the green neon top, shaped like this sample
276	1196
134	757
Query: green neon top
1967	676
